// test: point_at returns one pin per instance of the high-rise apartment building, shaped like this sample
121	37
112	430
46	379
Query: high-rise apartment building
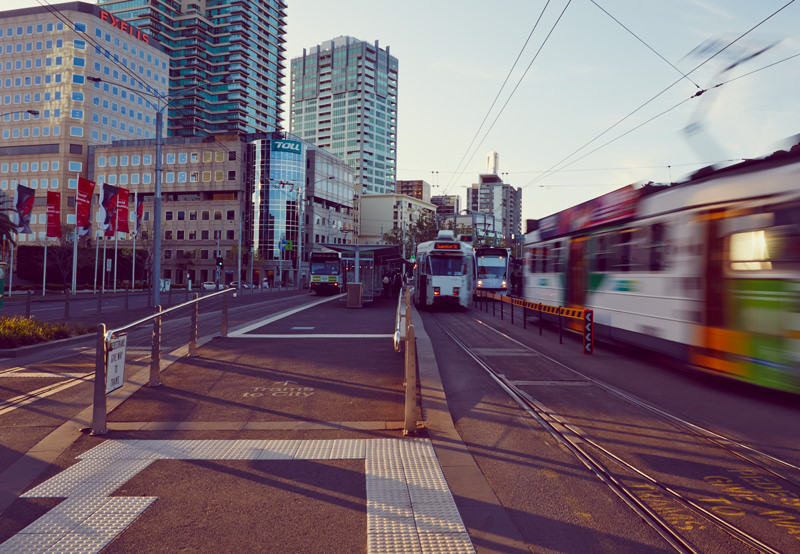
208	41
344	100
417	188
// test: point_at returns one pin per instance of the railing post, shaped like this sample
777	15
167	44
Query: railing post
511	307
99	404
410	424
155	353
502	308
494	306
66	304
541	319
560	334
193	328
224	329
100	302
28	304
524	315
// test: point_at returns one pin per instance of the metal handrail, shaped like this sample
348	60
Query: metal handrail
99	406
110	333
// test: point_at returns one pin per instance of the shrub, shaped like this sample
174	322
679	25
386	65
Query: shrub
18	331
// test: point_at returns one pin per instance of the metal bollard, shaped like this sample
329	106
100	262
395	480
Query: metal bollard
224	329
560	333
541	320
99	404
410	424
100	302
28	304
155	355
502	307
511	307
193	328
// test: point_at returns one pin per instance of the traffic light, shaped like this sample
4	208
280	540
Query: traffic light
219	261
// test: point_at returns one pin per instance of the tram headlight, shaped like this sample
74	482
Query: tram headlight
480	283
504	284
436	291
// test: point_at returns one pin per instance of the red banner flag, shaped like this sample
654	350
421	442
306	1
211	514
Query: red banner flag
53	214
23	206
121	223
84	205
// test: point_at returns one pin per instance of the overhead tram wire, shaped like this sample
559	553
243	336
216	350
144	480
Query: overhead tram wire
485	117
519	82
555	169
653	50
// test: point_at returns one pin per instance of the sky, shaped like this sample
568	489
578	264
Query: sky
578	97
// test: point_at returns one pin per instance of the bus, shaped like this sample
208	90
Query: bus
444	272
494	269
326	273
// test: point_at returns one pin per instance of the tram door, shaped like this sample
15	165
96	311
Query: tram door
713	274
577	272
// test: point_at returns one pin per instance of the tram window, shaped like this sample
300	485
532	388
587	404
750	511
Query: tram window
544	254
555	258
532	253
601	252
657	247
621	251
775	248
749	251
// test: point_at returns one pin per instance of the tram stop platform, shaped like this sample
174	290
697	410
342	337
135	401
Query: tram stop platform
286	436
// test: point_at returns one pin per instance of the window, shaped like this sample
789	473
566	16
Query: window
204	235
230	235
217	215
204	216
193	215
181	215
231	215
231	175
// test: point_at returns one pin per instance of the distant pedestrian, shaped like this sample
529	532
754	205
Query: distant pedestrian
397	283
387	282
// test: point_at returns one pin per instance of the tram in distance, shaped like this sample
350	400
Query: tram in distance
493	265
706	271
444	272
327	276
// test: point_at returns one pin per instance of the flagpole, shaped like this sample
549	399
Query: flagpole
103	269
96	255
116	240
135	231
75	242
44	268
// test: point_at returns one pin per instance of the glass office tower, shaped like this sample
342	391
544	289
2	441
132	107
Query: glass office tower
227	61
344	100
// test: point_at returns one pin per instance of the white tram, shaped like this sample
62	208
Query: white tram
444	272
706	271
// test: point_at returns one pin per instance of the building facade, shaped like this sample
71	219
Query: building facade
418	188
210	41
344	100
496	208
447	206
52	111
383	213
234	208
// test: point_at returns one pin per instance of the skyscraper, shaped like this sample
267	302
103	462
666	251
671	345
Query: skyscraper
240	41
344	100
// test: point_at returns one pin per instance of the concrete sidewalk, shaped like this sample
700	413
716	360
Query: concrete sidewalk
284	437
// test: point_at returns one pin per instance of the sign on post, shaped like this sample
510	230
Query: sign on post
115	373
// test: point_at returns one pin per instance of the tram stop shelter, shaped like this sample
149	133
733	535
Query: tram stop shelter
365	265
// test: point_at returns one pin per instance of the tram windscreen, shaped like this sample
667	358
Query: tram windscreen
446	265
492	267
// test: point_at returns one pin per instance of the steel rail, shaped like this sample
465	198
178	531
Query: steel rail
552	424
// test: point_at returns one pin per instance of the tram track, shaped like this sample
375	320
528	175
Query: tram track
633	484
